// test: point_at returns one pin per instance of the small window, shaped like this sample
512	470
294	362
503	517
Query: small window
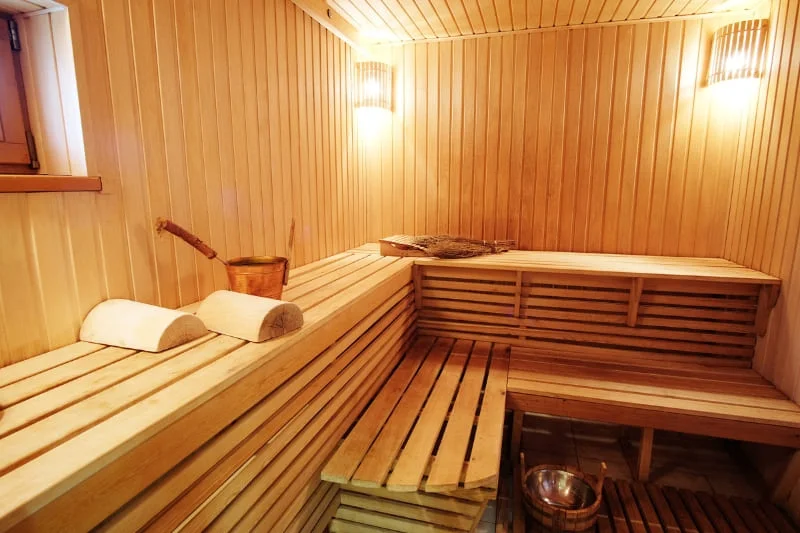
41	135
15	153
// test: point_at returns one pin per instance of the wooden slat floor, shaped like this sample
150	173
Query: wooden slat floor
635	507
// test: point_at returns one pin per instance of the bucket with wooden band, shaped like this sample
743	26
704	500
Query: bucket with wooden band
561	498
261	276
258	275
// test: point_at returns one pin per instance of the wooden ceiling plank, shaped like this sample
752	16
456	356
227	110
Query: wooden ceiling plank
625	9
519	14
593	11
658	8
675	8
579	10
534	15
503	10
693	7
549	9
407	20
461	16
641	9
446	16
432	18
474	13
376	27
489	15
609	8
564	12
387	16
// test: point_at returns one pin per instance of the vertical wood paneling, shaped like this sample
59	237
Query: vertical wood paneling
229	117
764	227
599	140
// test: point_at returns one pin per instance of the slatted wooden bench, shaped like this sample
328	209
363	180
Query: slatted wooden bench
655	342
425	456
217	433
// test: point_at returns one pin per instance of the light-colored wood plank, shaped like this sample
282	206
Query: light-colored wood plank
484	461
374	468
342	466
412	461
446	470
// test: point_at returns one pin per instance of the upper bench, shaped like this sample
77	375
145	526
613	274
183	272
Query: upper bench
612	305
86	427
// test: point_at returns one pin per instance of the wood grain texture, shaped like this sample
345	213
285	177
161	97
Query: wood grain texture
764	227
231	118
248	457
597	139
390	20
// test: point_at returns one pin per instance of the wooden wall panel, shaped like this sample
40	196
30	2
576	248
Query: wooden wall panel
209	112
764	229
600	140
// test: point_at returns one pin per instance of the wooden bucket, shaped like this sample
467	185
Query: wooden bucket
261	276
560	519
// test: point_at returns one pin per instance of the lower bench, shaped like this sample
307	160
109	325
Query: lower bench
652	392
425	456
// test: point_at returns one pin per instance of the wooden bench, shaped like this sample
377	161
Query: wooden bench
719	401
425	456
664	343
217	433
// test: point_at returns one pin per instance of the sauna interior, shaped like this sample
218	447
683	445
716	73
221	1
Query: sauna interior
463	265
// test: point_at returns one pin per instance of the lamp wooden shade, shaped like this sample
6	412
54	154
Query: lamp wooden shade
738	51
374	85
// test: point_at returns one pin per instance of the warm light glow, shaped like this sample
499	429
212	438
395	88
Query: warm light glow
374	82
738	51
734	96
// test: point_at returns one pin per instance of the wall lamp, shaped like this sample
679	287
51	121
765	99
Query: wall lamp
738	51
374	85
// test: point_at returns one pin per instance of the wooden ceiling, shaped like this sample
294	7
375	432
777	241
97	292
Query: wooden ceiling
406	20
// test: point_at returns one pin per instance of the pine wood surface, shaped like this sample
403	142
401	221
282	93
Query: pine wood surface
390	20
441	389
600	305
636	507
95	434
381	510
731	395
230	117
584	139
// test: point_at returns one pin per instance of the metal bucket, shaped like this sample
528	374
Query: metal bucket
261	276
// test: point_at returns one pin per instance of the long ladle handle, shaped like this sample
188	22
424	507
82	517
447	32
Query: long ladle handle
164	224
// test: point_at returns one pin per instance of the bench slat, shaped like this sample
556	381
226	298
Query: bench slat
447	467
376	464
412	461
484	462
349	455
611	395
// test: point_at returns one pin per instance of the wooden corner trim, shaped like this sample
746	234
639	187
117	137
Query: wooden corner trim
39	183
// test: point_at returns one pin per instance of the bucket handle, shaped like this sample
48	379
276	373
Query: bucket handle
600	478
164	224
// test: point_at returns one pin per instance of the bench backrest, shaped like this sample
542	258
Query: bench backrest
600	315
